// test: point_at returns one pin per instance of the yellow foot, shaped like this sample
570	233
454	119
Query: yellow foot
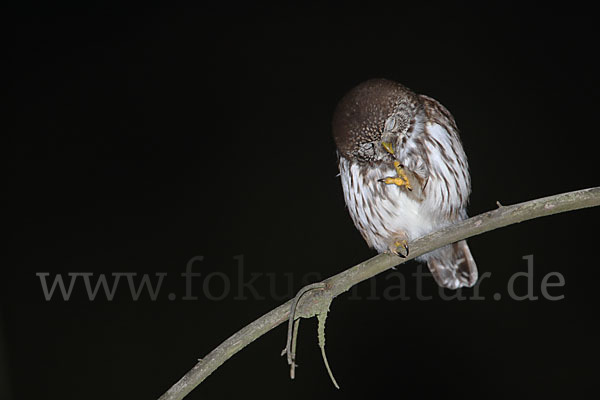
400	180
396	181
402	174
399	248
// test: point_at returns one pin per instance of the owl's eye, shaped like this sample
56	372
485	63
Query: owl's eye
366	150
391	124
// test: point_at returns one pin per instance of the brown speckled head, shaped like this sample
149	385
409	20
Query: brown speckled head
360	117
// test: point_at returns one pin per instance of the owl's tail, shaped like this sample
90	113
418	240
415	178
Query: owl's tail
453	266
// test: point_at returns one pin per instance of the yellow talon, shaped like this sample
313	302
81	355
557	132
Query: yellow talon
402	174
400	244
396	181
400	180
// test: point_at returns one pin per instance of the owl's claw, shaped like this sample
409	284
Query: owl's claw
400	245
400	180
402	174
396	181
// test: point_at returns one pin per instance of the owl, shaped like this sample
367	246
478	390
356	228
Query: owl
404	174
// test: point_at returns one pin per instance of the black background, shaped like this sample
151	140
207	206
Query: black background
141	137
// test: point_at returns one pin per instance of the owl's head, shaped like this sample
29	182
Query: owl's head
375	112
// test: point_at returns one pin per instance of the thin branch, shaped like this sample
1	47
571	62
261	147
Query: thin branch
313	301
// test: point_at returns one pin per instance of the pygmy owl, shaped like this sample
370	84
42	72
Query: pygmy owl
404	173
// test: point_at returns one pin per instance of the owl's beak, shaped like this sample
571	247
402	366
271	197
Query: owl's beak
388	146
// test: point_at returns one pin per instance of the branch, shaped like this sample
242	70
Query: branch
313	301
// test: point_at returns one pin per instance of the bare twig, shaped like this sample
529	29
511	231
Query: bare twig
313	301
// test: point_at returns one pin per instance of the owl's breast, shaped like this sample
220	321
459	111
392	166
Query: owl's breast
381	211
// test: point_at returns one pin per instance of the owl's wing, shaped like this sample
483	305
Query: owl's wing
438	114
451	166
420	169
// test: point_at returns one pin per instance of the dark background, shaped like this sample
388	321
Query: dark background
140	137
